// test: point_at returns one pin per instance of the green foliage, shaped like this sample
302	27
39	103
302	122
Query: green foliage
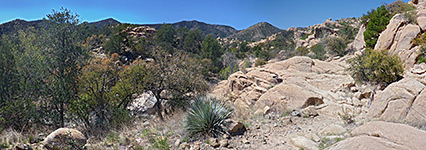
116	43
206	117
376	67
319	52
302	51
420	40
212	50
192	41
377	21
399	7
166	34
260	62
336	46
305	36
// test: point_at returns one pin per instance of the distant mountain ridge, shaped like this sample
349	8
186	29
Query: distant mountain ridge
256	32
253	33
213	29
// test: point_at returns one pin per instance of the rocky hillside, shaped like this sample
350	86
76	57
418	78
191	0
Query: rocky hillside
322	104
213	29
105	22
256	32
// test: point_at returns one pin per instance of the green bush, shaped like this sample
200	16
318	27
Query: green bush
206	117
319	52
260	62
336	46
377	67
399	7
377	21
302	51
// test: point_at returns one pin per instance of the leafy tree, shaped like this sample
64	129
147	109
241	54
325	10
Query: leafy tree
212	50
192	41
171	78
66	56
166	34
101	94
377	21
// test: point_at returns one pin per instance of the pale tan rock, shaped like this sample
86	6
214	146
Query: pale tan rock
400	134
386	38
304	142
234	127
421	19
61	138
416	115
403	45
392	103
333	130
364	142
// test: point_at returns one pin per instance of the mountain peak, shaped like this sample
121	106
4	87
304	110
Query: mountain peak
105	22
256	32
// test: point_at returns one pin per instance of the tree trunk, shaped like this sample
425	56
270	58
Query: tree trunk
158	107
371	96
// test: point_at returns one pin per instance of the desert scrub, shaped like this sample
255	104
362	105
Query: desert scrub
206	116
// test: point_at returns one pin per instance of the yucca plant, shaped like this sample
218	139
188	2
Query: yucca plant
206	117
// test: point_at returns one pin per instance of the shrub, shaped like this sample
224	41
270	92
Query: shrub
319	52
206	117
260	62
399	7
336	46
420	40
302	51
377	67
377	21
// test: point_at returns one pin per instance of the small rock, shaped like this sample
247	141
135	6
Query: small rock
226	136
185	145
177	143
235	127
296	113
304	142
245	141
332	130
224	143
310	111
213	142
313	136
20	146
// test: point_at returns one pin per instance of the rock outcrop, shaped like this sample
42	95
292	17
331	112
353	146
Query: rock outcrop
378	135
401	101
295	83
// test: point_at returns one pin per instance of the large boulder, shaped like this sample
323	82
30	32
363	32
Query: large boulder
359	43
383	135
295	83
64	138
386	38
403	45
397	100
421	19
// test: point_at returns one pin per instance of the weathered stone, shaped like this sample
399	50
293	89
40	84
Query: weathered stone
386	38
61	138
310	111
234	127
403	45
213	142
224	143
303	142
20	146
332	130
393	103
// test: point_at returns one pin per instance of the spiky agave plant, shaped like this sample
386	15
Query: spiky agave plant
206	117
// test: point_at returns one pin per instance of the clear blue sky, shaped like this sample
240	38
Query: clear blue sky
239	14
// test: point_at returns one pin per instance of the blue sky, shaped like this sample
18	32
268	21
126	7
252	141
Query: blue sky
239	14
